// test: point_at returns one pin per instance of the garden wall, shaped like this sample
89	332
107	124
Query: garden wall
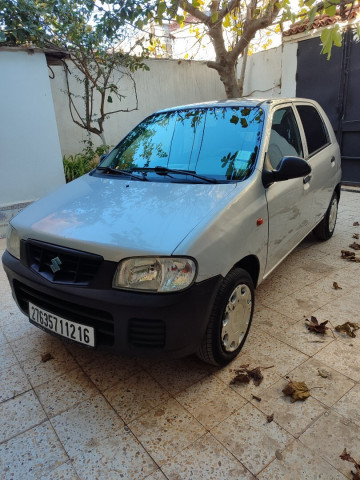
30	158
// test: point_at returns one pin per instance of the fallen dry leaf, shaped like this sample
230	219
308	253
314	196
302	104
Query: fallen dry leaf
314	326
244	375
355	246
256	376
297	391
46	357
356	236
348	458
336	286
322	374
349	328
356	224
270	418
347	255
279	455
240	378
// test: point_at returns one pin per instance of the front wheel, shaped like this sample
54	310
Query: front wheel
325	229
230	319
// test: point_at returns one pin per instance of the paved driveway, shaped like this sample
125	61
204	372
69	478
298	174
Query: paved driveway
87	415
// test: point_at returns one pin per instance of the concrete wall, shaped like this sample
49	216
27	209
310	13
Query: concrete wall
168	83
271	73
30	156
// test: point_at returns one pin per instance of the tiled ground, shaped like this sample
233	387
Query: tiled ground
86	415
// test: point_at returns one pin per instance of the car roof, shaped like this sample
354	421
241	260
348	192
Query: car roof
239	102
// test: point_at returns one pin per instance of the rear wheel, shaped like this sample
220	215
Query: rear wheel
230	319
325	229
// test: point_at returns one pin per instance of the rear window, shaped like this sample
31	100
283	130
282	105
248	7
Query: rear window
317	136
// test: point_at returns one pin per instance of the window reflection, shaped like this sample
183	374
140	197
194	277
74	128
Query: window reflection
219	142
285	137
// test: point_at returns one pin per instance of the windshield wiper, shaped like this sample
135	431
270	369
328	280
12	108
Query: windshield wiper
122	172
164	171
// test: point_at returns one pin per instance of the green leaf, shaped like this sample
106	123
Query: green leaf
234	119
2	37
330	10
330	37
140	24
180	20
195	3
161	9
109	99
214	17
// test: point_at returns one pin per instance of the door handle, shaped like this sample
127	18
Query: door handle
332	160
307	179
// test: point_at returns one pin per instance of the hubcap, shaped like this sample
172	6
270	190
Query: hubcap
333	214
236	318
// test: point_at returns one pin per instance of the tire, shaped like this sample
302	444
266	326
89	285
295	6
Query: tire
230	319
325	229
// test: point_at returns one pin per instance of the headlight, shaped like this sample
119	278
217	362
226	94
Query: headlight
155	274
13	242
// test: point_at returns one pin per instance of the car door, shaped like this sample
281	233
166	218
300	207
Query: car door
286	200
321	154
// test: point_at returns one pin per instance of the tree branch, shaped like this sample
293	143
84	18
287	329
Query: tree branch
195	12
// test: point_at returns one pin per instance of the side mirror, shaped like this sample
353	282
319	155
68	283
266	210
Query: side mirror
289	167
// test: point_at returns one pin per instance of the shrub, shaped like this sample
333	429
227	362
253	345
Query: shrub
80	163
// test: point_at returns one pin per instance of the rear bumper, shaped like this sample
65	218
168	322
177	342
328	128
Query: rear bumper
129	323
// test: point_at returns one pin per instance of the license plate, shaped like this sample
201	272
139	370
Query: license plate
66	328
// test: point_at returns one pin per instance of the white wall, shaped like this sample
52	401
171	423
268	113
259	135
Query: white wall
168	83
271	73
30	158
288	72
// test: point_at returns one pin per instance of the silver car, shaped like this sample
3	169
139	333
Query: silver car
159	249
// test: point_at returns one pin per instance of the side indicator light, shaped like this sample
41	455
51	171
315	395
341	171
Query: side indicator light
259	221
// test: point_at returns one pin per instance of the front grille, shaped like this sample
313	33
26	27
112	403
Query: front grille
62	265
100	320
147	333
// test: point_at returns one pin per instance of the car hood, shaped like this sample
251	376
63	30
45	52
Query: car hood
117	218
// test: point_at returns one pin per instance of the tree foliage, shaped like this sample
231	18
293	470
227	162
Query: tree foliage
231	25
91	35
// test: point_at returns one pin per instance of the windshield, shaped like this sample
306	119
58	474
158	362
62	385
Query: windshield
219	143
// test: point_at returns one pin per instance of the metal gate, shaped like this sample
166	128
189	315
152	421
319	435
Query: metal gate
335	84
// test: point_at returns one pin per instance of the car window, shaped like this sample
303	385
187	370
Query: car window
315	131
284	137
219	142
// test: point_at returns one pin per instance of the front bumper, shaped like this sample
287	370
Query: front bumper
129	323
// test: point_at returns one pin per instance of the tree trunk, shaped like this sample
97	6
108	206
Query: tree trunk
228	77
243	70
227	72
102	136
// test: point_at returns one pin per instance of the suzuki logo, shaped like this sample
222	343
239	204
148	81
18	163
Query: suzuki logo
55	264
